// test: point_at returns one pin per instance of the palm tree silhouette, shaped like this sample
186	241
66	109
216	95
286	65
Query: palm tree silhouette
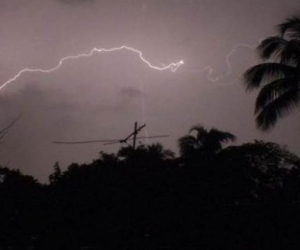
278	77
205	144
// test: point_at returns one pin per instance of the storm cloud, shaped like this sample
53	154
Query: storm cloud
77	1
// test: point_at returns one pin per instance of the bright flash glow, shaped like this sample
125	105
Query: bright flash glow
172	66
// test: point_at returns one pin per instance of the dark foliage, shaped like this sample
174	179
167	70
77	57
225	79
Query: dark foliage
244	197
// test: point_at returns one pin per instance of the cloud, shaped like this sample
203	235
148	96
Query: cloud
127	95
77	1
130	92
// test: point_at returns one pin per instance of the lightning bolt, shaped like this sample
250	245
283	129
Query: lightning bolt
229	71
209	70
172	66
228	64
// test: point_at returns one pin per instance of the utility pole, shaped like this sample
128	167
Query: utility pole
134	135
135	132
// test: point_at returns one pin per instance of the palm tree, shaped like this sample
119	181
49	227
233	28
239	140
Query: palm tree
205	144
278	77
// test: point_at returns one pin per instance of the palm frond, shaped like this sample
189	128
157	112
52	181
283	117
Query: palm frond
290	54
274	89
271	47
266	72
201	131
221	136
187	140
290	28
187	144
278	108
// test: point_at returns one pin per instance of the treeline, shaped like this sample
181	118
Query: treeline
240	197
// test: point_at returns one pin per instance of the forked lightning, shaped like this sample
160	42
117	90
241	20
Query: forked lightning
172	66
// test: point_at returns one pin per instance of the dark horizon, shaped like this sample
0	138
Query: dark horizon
212	196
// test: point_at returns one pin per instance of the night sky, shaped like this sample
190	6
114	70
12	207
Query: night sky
101	97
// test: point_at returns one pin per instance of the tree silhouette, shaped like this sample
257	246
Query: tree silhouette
260	169
20	217
278	77
56	175
148	156
248	194
205	144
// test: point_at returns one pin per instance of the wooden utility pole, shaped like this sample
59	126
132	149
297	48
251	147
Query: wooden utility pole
135	131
